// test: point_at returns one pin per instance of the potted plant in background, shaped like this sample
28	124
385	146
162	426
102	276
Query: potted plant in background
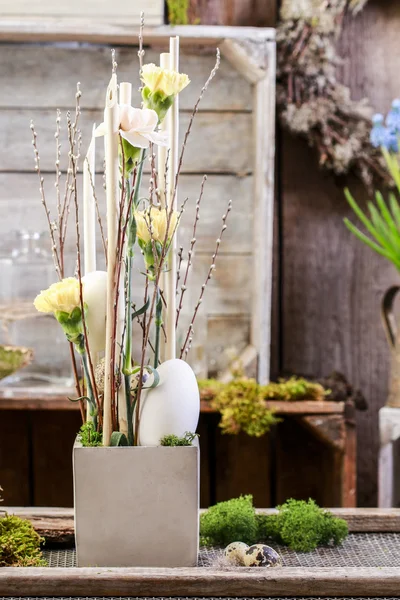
383	225
136	460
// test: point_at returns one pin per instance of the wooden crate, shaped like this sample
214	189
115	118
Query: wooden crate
311	453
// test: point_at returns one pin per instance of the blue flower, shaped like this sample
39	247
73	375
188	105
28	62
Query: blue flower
379	132
393	117
392	140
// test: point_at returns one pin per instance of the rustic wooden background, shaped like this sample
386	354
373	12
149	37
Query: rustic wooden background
327	286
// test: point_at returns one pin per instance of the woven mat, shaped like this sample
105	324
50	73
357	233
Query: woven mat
358	550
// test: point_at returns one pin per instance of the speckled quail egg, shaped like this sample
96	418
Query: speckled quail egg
234	553
259	555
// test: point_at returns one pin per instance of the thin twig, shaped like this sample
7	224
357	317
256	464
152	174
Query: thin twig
54	249
96	203
190	251
187	343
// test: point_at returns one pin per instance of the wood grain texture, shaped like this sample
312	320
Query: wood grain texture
97	11
332	285
15	464
22	192
289	581
211	148
260	13
56	525
27	77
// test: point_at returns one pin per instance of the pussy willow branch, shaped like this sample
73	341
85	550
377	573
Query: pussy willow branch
63	217
54	249
178	268
188	340
190	251
96	203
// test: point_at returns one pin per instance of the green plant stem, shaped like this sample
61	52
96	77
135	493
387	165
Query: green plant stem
158	323
89	384
127	362
129	407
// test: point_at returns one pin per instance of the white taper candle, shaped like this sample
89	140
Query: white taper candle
170	350
111	121
125	97
89	208
163	150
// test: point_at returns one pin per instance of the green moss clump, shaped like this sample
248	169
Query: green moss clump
298	524
19	543
178	12
88	436
242	402
230	521
243	408
294	389
174	440
302	526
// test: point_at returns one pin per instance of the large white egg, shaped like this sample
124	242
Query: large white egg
95	296
173	407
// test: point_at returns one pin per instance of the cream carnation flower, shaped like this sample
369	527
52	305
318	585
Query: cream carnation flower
168	82
137	126
62	296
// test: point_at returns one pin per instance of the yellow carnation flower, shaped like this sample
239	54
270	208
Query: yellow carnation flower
152	224
62	296
168	82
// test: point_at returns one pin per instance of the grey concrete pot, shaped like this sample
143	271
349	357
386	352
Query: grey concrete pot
136	506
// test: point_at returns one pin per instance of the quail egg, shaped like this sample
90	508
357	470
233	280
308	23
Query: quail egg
234	553
259	555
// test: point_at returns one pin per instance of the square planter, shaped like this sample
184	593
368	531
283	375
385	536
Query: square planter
136	506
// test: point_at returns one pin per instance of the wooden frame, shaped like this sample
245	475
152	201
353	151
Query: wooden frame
252	52
205	582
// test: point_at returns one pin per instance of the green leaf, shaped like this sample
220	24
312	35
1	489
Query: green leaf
141	310
156	378
366	240
363	218
118	439
394	207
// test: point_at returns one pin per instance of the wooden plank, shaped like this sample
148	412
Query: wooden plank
288	581
20	190
72	30
57	524
15	467
264	170
93	9
27	77
211	148
48	399
53	436
304	466
222	348
261	13
243	467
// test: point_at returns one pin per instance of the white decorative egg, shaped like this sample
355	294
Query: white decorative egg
95	296
260	555
234	553
173	407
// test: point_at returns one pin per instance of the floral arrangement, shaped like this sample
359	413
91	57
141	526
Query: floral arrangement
383	222
127	351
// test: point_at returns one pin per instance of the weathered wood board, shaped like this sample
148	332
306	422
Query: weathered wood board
116	12
220	145
331	284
